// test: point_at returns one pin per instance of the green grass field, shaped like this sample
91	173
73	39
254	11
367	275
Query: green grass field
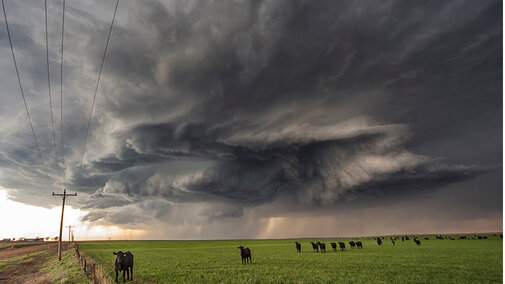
435	261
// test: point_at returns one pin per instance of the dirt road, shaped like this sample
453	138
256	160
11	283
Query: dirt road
8	253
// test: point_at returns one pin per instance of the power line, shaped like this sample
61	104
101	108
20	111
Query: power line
50	99
61	91
97	83
21	87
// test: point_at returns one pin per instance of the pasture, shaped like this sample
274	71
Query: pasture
435	261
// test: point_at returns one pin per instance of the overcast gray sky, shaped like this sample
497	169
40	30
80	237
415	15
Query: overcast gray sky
230	119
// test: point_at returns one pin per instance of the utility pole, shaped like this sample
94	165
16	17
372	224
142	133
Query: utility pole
69	232
64	195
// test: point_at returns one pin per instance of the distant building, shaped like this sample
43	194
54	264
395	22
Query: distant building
6	240
35	240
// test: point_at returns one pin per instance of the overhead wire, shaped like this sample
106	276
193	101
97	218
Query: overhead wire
50	97
21	89
97	84
62	156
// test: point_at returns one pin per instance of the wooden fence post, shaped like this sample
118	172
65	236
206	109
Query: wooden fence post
94	273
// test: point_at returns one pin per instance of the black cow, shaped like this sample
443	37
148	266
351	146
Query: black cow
341	245
124	262
322	246
245	253
315	247
418	242
298	247
352	244
379	242
334	246
359	245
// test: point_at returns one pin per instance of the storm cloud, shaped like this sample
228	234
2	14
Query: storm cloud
208	111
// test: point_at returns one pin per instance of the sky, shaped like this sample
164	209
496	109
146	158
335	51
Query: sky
254	119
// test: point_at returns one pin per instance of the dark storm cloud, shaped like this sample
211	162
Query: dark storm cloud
226	105
351	161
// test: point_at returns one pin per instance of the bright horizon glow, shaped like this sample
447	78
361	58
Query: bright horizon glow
30	221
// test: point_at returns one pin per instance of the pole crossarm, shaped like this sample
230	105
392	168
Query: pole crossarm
64	194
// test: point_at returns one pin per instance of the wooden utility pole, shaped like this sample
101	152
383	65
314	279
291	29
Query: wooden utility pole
64	195
69	230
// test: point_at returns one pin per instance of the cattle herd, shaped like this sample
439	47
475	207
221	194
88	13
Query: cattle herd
245	253
321	247
403	238
124	260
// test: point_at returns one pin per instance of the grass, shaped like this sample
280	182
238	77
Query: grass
41	267
7	264
435	261
65	271
18	244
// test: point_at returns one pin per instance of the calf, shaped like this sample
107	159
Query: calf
334	246
124	262
359	245
341	245
352	244
379	242
322	246
315	247
418	242
245	253
298	247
